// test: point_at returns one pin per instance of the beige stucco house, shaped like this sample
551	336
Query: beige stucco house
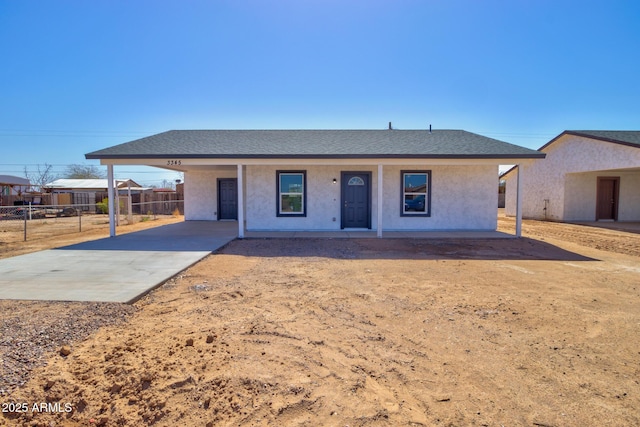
586	176
331	180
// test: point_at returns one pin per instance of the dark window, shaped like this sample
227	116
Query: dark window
292	193
416	193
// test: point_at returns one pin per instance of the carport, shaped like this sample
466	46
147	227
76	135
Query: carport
118	269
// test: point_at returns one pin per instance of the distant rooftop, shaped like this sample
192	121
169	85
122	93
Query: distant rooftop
79	184
13	180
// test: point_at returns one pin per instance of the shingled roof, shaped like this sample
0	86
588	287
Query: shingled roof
314	144
623	137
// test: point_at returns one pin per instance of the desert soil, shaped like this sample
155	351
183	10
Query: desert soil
539	331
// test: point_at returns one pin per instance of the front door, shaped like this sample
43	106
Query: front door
227	198
607	204
356	200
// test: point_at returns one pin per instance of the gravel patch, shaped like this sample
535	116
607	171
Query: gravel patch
31	331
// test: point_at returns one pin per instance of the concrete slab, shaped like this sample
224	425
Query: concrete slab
367	234
122	268
118	269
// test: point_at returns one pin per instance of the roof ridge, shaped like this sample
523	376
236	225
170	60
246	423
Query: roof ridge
313	130
315	143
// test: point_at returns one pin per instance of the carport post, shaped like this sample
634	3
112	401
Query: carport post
240	203
380	192
112	201
519	203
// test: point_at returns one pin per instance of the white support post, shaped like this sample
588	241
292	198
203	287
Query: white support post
519	202
112	201
240	202
380	201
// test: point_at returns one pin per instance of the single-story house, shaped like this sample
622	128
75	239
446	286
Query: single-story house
328	180
586	176
83	191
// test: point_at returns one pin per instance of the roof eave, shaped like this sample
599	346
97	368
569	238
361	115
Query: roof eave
590	136
318	156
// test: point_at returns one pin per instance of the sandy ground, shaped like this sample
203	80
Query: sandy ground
540	331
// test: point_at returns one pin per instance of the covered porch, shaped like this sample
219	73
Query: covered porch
602	195
404	181
255	197
348	234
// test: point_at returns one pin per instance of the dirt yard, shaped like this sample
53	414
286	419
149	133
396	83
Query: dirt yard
540	331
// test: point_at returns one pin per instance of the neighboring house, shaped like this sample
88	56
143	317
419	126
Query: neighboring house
11	186
83	191
323	180
586	176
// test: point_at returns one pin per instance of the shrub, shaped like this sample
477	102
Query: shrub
103	206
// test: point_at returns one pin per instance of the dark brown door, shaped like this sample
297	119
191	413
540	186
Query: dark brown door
607	203
227	198
356	200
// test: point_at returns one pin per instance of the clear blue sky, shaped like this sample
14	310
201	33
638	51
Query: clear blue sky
79	75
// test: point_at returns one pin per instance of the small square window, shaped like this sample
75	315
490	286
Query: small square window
416	193
291	193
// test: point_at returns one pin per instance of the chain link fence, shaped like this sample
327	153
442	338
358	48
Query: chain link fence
30	222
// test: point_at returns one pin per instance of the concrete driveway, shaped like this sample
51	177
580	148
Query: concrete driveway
117	269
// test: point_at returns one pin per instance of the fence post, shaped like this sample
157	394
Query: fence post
117	210
80	219
24	211
129	204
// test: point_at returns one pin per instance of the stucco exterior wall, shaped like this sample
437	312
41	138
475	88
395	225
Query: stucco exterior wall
581	195
563	179
323	198
537	186
463	198
629	207
201	194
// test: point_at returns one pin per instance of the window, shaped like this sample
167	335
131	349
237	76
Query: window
356	180
292	196
416	193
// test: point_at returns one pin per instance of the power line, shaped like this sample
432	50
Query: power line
116	133
40	132
64	166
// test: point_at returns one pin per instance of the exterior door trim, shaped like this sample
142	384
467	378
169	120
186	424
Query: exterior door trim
235	186
615	195
343	181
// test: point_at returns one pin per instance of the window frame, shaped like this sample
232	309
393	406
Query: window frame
279	194
427	194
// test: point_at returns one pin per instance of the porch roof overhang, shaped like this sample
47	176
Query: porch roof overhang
182	164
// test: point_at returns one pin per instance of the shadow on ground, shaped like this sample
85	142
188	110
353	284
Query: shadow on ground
627	227
450	249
